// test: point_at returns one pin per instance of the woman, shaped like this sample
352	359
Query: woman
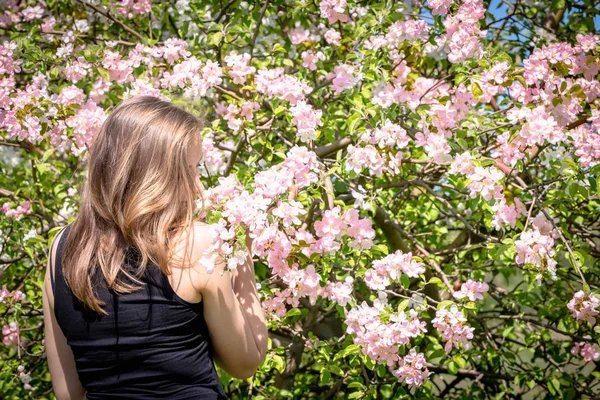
130	312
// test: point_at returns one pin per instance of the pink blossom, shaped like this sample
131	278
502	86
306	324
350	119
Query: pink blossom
505	213
274	83
375	42
240	68
391	268
452	324
299	35
8	65
231	116
77	70
302	282
463	164
118	69
389	135
310	59
333	10
535	246
18	295
248	108
485	182
472	289
333	37
379	340
4	293
412	369
435	145
411	30
33	12
584	307
275	305
588	351
273	182
306	120
360	230
17	213
439	6
340	292
174	49
367	156
212	73
99	89
11	335
289	213
342	78
86	123
587	42
129	8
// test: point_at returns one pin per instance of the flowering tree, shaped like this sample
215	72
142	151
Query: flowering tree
420	180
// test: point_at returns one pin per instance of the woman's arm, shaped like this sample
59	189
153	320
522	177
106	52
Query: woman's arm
233	313
61	362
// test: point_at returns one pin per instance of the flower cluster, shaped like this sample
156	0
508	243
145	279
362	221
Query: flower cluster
380	340
390	138
333	10
342	78
12	335
6	294
452	324
129	8
412	369
535	246
584	306
391	268
340	292
463	36
16	213
485	181
472	289
588	351
306	119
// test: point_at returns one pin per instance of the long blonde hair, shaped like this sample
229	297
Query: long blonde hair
139	192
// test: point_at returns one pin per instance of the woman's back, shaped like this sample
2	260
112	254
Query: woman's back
151	345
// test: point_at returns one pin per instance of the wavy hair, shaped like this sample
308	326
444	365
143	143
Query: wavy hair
139	192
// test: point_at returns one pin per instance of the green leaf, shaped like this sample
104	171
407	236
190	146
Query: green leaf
554	386
353	121
405	280
403	304
336	370
103	73
356	395
293	312
350	349
279	363
452	368
476	90
325	376
445	304
460	361
215	38
356	385
435	281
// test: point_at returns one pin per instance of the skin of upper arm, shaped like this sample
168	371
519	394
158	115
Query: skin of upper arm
231	335
61	362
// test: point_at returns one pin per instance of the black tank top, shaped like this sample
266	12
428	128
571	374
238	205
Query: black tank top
151	345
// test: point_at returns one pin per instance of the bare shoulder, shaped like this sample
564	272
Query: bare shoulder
197	242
